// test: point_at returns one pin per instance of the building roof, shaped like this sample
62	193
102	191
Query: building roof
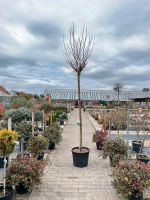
105	95
3	90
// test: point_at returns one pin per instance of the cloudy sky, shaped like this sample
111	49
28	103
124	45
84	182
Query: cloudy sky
31	41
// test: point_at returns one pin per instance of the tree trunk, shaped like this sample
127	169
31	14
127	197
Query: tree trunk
80	116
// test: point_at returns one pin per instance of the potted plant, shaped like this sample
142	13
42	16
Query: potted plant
37	145
99	137
131	179
24	130
116	149
137	146
53	134
25	173
77	51
7	139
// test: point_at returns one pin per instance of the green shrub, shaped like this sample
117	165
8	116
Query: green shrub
53	134
38	144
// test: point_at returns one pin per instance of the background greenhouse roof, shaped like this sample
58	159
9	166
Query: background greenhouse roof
89	95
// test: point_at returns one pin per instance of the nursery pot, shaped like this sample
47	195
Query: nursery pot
51	146
136	146
8	195
2	162
99	145
136	195
80	158
21	189
61	122
142	158
40	156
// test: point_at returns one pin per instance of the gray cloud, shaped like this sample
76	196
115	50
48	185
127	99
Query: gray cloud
31	38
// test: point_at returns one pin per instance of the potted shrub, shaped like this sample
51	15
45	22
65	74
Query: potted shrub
25	173
24	130
53	134
137	146
99	137
37	145
77	51
131	179
7	139
115	149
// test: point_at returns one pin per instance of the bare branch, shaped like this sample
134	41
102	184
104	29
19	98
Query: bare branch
77	49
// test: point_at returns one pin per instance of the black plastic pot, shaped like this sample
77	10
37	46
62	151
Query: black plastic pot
136	196
40	157
2	162
51	146
8	195
136	146
80	158
99	145
142	158
21	189
61	122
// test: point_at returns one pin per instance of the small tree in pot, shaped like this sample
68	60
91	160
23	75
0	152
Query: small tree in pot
115	149
99	137
25	173
37	146
131	179
77	51
53	134
7	139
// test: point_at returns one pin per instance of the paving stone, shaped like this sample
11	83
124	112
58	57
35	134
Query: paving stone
63	181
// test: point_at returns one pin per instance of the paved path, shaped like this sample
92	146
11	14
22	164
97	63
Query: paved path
63	181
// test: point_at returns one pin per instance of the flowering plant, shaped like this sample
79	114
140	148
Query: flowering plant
100	136
25	171
116	149
131	178
7	138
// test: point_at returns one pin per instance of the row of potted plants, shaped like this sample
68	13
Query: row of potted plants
130	177
26	171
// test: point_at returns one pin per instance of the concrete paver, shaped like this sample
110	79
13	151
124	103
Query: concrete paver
63	181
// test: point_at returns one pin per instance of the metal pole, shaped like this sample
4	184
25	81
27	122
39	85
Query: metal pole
43	120
4	178
32	124
128	122
9	124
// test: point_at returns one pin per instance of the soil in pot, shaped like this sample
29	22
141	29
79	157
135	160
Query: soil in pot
99	145
80	158
136	146
51	146
8	195
21	189
142	158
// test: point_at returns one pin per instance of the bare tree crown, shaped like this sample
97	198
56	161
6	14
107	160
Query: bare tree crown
77	49
118	87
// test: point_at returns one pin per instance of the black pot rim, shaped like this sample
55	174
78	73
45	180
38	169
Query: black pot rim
136	141
80	152
142	156
8	193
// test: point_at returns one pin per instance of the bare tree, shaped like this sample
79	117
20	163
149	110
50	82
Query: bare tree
118	88
77	50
